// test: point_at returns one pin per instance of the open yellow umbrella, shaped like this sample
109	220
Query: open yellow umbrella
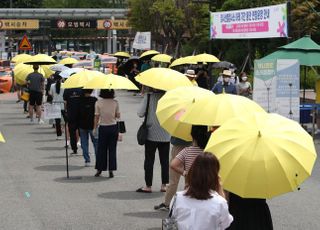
68	61
206	58
163	78
214	110
162	58
189	60
2	138
122	54
262	155
110	81
148	53
171	103
21	71
81	78
20	58
40	59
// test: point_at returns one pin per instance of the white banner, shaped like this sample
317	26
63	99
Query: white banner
2	41
142	41
52	111
262	22
277	86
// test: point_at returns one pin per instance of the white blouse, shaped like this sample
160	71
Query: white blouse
193	214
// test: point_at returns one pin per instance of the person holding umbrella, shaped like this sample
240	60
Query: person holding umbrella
225	86
35	84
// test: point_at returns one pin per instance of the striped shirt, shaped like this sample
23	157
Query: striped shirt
155	131
188	155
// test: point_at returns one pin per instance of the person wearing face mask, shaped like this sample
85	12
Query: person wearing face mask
244	87
225	86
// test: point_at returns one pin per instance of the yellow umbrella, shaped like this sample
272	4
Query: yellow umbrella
110	81
20	58
2	138
217	109
40	59
21	71
262	155
68	61
163	78
122	54
162	58
171	103
206	58
81	78
189	60
148	53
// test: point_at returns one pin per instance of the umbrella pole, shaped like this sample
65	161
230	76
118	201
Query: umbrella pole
290	102
304	84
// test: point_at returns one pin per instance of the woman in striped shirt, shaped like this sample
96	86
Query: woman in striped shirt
184	160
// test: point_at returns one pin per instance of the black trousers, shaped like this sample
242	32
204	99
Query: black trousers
73	128
150	152
58	124
106	158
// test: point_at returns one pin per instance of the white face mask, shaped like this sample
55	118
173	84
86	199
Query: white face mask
226	79
244	78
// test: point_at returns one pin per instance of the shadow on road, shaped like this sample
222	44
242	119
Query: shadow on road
42	133
46	140
57	168
151	214
51	148
84	179
129	195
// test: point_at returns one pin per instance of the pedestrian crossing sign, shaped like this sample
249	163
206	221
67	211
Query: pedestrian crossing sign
25	44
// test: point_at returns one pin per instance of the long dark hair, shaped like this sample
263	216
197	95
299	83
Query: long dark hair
106	93
201	135
203	177
57	78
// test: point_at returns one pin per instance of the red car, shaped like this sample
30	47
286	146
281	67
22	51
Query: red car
5	80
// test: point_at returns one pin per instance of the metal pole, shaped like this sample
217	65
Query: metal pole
66	146
304	84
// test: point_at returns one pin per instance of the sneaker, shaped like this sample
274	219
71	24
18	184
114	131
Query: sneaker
59	138
31	121
78	144
87	164
161	206
40	122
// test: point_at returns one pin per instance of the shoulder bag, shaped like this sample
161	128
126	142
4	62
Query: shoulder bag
142	133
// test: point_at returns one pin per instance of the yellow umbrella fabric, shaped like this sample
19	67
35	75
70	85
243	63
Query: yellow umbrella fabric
163	78
40	59
20	58
217	109
149	52
2	138
122	54
162	58
110	81
21	71
206	58
68	61
263	155
189	60
171	103
81	78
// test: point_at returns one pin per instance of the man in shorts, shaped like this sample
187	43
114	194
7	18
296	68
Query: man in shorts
35	83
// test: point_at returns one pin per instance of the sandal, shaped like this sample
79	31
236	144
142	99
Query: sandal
143	190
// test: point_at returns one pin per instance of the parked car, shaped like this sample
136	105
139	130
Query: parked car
5	80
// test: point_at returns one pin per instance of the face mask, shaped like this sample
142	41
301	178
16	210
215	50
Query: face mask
226	79
244	78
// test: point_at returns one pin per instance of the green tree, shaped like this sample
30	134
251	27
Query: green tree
21	3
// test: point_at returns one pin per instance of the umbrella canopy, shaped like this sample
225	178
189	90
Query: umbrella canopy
59	67
122	54
218	109
2	138
171	103
81	78
110	81
66	73
68	61
162	58
223	64
189	60
163	78
21	71
206	58
148	54
40	59
262	155
20	58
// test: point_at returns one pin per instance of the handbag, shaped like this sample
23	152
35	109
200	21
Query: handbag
142	133
121	127
170	223
25	96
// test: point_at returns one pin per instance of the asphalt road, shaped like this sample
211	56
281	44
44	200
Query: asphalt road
35	194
